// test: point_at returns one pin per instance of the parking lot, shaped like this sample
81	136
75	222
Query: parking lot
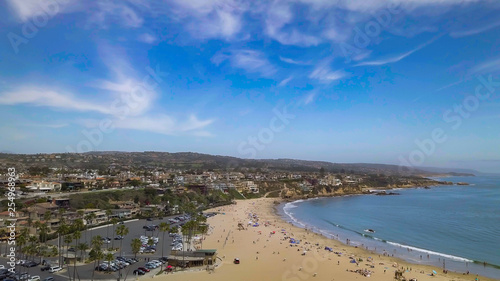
136	230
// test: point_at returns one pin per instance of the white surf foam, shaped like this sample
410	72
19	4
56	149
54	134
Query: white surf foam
451	257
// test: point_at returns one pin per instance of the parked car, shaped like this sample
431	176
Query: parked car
101	267
50	278
45	267
22	276
156	262
138	272
55	269
34	278
144	269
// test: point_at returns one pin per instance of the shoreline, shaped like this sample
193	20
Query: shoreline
266	253
282	214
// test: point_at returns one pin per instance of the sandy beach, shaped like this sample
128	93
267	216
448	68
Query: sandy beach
267	256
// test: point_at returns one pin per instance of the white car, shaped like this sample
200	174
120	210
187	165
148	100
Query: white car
157	262
34	278
55	269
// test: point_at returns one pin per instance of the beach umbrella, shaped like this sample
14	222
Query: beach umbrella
434	272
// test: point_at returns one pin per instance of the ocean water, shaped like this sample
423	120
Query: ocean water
457	226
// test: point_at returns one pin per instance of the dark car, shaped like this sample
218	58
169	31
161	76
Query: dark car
149	219
45	267
30	264
139	272
144	269
101	268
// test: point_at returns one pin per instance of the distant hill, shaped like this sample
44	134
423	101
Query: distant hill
451	172
189	160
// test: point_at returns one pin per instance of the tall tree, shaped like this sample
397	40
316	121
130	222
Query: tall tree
82	247
114	221
108	215
164	227
96	244
136	245
61	231
122	230
76	236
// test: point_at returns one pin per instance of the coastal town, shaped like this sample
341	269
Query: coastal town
86	224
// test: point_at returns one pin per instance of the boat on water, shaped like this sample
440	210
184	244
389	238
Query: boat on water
370	230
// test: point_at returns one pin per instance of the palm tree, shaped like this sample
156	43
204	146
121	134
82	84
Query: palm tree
164	227
20	241
81	214
76	236
61	231
47	215
203	229
67	239
109	257
96	247
136	246
108	214
90	218
54	251
82	247
122	230
98	256
114	221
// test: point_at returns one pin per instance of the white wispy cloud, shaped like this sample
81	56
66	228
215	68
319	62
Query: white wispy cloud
309	98
147	38
285	81
491	66
210	18
108	13
470	32
249	60
52	99
397	57
126	100
279	15
48	125
292	61
159	123
325	74
27	9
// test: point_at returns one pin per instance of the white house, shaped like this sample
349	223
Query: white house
44	186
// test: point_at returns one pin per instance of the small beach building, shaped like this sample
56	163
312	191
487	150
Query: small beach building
192	258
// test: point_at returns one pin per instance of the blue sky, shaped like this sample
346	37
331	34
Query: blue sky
341	81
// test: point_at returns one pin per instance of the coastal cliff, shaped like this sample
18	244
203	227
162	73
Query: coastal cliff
292	191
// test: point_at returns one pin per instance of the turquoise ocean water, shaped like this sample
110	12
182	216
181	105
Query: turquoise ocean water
457	226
